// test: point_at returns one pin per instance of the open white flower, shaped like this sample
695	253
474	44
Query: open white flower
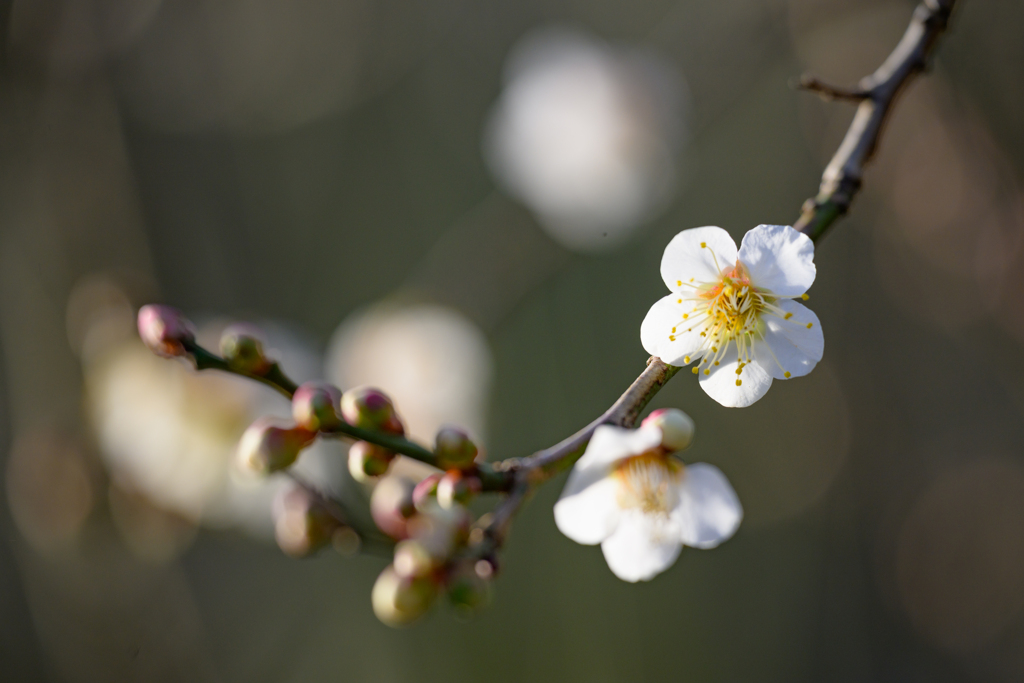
642	504
733	311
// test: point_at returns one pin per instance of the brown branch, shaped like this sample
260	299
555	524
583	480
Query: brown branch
831	92
876	93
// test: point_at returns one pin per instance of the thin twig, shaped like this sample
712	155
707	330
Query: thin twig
831	92
876	94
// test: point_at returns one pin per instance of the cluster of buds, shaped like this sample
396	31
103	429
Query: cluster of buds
432	525
369	408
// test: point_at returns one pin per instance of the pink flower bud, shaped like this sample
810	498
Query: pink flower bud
370	408
440	530
302	525
454	449
165	330
242	347
676	427
367	461
425	492
456	488
268	446
391	506
399	601
315	406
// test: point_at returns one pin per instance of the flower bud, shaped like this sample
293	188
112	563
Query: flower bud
165	330
412	559
425	492
440	530
242	348
367	461
370	408
676	427
302	525
391	506
268	446
467	590
315	406
399	601
456	488
454	449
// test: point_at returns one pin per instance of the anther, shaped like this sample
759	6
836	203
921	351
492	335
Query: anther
788	316
686	359
707	371
703	245
805	297
679	283
739	382
809	325
671	337
786	374
696	369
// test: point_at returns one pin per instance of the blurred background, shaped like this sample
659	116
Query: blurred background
466	204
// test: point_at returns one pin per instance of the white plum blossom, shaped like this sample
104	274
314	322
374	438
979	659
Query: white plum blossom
642	504
733	312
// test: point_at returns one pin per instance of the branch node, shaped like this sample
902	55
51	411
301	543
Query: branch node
831	92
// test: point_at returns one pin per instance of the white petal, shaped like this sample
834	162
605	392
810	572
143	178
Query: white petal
588	510
720	384
642	546
797	347
709	511
667	335
685	258
609	444
779	259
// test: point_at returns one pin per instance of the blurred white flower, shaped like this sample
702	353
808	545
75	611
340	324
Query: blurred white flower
734	310
585	134
170	434
432	361
642	505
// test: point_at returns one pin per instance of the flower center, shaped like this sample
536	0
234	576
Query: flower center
649	482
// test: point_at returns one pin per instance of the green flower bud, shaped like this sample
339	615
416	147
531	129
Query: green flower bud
165	330
268	446
456	488
467	590
454	449
370	408
367	461
315	406
302	525
391	506
412	559
242	348
676	427
399	601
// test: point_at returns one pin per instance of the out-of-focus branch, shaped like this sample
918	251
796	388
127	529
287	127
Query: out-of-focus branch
876	94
